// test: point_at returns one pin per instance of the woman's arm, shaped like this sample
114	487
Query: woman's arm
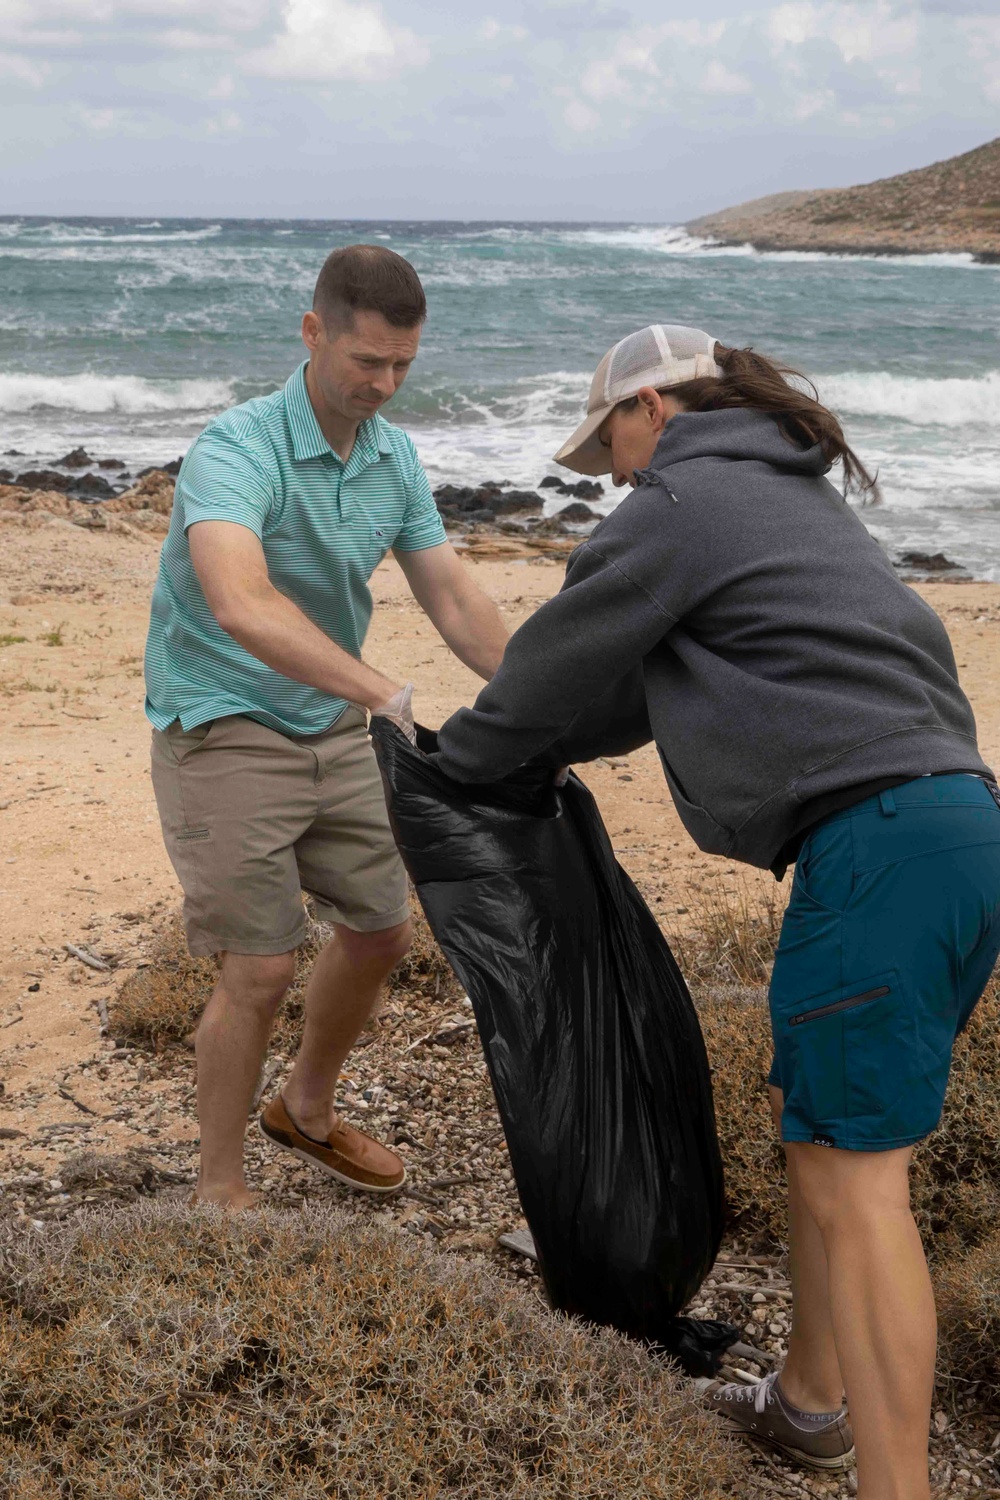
572	652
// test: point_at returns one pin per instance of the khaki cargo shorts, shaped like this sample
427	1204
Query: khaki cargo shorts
251	818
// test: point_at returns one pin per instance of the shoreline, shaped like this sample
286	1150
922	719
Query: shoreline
493	518
839	251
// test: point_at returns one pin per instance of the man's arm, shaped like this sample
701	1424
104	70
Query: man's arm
229	561
466	619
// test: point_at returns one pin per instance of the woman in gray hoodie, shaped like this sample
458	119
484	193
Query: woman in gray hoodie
806	709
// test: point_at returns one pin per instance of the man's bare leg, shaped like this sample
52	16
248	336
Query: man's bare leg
230	1045
810	1376
342	993
882	1309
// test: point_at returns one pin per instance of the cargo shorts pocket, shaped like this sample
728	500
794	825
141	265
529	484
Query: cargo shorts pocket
853	1055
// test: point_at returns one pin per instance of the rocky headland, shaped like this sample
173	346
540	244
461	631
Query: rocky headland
951	206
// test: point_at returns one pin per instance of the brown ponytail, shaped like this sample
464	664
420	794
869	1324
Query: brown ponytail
751	380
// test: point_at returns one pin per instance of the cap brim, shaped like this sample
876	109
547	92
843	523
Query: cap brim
584	452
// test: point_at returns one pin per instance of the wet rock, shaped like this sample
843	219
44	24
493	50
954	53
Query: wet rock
584	489
6	476
577	513
173	467
44	479
93	485
79	458
929	562
525	502
110	463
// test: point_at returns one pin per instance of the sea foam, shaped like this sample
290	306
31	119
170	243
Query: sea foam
109	393
924	402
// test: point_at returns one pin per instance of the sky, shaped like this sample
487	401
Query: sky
554	109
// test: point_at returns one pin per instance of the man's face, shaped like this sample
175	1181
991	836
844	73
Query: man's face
359	368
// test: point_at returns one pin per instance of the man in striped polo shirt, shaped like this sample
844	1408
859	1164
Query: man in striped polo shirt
265	779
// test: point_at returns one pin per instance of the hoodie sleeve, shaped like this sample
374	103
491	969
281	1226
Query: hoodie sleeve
582	651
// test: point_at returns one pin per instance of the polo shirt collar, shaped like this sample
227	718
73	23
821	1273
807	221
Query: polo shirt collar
307	435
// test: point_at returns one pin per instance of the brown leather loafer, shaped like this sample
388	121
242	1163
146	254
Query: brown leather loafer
353	1158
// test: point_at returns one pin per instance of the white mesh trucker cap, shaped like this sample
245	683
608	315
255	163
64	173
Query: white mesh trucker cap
660	355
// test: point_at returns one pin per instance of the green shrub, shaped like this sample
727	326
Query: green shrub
158	1352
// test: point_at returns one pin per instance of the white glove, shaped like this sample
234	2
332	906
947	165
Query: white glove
399	711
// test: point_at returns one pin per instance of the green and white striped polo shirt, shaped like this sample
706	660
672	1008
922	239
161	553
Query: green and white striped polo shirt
325	527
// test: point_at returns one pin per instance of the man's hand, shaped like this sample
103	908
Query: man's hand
232	570
399	711
466	619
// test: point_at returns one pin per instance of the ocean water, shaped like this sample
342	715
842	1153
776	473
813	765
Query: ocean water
127	335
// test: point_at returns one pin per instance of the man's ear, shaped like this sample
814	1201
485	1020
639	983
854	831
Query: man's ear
312	330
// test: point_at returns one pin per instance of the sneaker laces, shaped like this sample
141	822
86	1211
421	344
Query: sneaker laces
763	1391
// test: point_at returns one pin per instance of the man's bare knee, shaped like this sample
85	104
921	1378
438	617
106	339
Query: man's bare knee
258	980
383	949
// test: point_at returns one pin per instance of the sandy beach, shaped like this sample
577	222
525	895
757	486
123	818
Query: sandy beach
81	860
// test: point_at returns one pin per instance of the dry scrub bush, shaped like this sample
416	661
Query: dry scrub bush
967	1289
160	1004
733	937
737	1034
158	1352
955	1192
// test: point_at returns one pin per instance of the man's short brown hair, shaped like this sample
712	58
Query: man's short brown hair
368	278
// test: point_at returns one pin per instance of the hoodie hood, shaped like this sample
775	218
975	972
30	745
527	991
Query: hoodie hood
733	433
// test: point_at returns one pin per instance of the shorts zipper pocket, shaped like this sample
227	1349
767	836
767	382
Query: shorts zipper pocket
829	1010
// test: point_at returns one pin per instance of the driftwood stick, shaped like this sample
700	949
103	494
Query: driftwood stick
85	958
85	1109
267	1077
751	1291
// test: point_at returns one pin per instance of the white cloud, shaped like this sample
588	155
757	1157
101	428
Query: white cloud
179	40
718	79
580	119
613	76
17	69
329	40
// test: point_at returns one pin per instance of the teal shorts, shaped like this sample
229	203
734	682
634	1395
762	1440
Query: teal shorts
890	937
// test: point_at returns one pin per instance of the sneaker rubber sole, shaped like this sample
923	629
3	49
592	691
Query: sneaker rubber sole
836	1464
315	1161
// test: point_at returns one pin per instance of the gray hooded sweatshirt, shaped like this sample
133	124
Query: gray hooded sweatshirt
735	610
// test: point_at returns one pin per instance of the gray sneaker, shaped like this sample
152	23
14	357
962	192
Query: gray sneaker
760	1412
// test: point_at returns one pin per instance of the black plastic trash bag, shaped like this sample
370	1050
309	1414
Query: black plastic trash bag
592	1041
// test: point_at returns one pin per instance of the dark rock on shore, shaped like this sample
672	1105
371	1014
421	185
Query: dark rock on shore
577	513
79	458
173	467
928	562
93	487
584	489
464	500
495	506
43	479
